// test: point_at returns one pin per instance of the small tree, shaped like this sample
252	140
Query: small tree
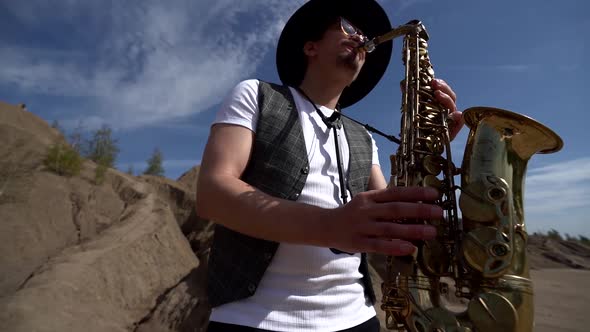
130	170
155	164
76	138
100	174
554	234
103	150
102	147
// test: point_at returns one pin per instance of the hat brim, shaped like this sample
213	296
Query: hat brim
367	15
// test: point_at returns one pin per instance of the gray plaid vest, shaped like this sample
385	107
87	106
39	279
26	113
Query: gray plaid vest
278	167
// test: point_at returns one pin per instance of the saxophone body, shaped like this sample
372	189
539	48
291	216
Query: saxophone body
479	259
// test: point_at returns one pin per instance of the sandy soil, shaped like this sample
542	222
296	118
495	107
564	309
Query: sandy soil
562	300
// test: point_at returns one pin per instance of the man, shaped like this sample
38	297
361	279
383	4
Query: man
297	192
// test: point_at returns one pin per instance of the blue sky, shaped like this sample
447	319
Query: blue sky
156	71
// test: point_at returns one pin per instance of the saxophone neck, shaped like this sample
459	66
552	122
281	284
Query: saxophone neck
414	27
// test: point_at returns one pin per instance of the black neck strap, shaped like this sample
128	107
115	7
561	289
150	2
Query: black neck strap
333	120
335	123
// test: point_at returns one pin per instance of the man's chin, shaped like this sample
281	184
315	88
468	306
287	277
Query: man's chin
350	60
352	65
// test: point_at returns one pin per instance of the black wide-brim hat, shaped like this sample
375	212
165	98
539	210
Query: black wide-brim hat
367	15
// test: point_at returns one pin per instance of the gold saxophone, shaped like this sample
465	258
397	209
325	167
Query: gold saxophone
484	252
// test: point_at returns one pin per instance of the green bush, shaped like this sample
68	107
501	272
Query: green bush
63	160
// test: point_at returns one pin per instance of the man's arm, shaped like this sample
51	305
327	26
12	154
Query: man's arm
377	180
226	199
359	226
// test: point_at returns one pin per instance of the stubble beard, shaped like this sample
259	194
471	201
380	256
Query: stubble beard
349	61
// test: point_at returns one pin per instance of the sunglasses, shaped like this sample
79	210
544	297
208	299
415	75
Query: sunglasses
351	31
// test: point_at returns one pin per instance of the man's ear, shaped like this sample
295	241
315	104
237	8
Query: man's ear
310	49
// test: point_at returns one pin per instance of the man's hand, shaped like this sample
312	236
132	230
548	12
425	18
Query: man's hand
447	97
370	221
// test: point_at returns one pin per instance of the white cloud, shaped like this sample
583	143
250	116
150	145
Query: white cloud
147	62
558	197
559	187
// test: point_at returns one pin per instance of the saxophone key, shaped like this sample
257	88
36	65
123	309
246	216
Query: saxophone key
432	182
492	312
433	164
425	93
434	258
434	144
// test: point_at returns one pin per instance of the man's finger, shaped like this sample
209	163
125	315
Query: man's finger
403	194
442	86
388	247
390	230
457	123
446	101
405	210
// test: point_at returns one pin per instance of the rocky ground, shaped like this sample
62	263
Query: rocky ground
130	254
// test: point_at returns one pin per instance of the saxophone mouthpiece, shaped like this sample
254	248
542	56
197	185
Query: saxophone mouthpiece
368	46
